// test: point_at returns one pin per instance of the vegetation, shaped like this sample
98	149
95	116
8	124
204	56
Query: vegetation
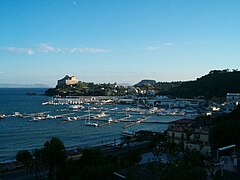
32	160
88	89
214	85
91	165
182	164
225	129
52	156
55	156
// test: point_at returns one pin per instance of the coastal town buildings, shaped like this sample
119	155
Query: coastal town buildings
180	132
233	98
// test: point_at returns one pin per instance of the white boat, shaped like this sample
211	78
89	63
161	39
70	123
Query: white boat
113	109
128	116
102	114
91	124
2	116
45	103
88	123
76	107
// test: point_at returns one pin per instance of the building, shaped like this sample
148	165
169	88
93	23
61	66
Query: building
190	138
233	98
180	123
67	80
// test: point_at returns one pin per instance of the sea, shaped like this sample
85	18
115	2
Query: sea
22	133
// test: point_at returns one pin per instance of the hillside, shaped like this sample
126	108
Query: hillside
145	82
215	84
225	130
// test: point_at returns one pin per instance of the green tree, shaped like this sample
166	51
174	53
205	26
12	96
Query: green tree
55	156
225	129
33	161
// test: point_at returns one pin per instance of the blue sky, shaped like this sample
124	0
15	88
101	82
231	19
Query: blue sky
120	41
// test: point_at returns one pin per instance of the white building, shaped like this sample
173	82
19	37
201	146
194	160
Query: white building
233	98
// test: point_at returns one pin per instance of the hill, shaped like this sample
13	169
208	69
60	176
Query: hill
225	130
215	84
145	82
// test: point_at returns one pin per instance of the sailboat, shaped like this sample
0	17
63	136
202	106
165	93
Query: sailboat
88	123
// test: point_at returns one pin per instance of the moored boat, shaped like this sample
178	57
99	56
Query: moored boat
2	116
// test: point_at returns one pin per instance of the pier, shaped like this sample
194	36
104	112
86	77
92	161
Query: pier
136	122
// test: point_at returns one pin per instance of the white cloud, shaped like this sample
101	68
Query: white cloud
1	72
167	44
46	48
92	50
158	47
29	51
152	48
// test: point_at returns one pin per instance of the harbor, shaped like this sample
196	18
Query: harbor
104	114
29	122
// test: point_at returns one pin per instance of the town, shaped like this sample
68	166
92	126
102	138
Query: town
195	134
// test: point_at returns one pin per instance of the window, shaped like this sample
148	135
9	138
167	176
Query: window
197	136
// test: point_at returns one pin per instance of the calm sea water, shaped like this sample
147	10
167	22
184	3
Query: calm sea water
20	133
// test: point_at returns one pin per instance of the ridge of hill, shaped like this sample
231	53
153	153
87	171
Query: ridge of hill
215	84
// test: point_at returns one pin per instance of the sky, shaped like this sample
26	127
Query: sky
121	41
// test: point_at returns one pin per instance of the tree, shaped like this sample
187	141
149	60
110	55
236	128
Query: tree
32	161
37	161
24	156
55	156
225	129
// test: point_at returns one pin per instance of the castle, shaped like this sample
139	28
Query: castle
67	80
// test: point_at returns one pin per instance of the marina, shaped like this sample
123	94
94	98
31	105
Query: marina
29	123
133	117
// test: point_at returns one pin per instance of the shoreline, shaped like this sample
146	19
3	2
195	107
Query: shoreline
70	149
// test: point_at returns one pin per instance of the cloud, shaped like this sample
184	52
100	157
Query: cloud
167	44
46	48
158	47
1	72
93	50
29	51
152	48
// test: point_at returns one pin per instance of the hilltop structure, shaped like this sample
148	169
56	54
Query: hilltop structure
67	80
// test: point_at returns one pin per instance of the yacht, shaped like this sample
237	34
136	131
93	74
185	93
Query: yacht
2	116
88	123
91	124
102	114
76	107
